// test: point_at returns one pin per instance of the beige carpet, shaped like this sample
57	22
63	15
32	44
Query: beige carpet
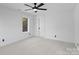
38	46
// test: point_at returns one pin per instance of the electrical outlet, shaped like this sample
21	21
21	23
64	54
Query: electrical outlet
55	36
3	40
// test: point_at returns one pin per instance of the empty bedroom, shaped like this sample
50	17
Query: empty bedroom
39	28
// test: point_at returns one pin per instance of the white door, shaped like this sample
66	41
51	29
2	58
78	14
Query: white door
37	26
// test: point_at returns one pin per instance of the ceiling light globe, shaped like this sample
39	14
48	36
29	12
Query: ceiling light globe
35	9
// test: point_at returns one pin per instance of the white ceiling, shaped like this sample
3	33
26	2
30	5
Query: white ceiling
22	7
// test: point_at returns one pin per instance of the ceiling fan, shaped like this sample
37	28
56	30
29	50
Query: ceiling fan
36	7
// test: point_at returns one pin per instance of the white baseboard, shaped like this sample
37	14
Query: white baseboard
6	44
56	39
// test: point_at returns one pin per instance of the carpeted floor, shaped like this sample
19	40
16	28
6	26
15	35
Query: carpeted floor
39	46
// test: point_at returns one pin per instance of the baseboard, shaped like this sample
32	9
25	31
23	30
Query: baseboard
56	39
7	44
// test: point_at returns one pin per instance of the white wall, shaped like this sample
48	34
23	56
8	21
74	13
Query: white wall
57	20
11	25
76	20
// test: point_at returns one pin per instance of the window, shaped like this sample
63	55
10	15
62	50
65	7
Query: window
24	24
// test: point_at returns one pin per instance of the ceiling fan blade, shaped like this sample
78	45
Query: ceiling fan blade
41	9
41	4
27	9
28	5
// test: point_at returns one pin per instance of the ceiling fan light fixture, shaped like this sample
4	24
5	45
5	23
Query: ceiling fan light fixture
34	9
